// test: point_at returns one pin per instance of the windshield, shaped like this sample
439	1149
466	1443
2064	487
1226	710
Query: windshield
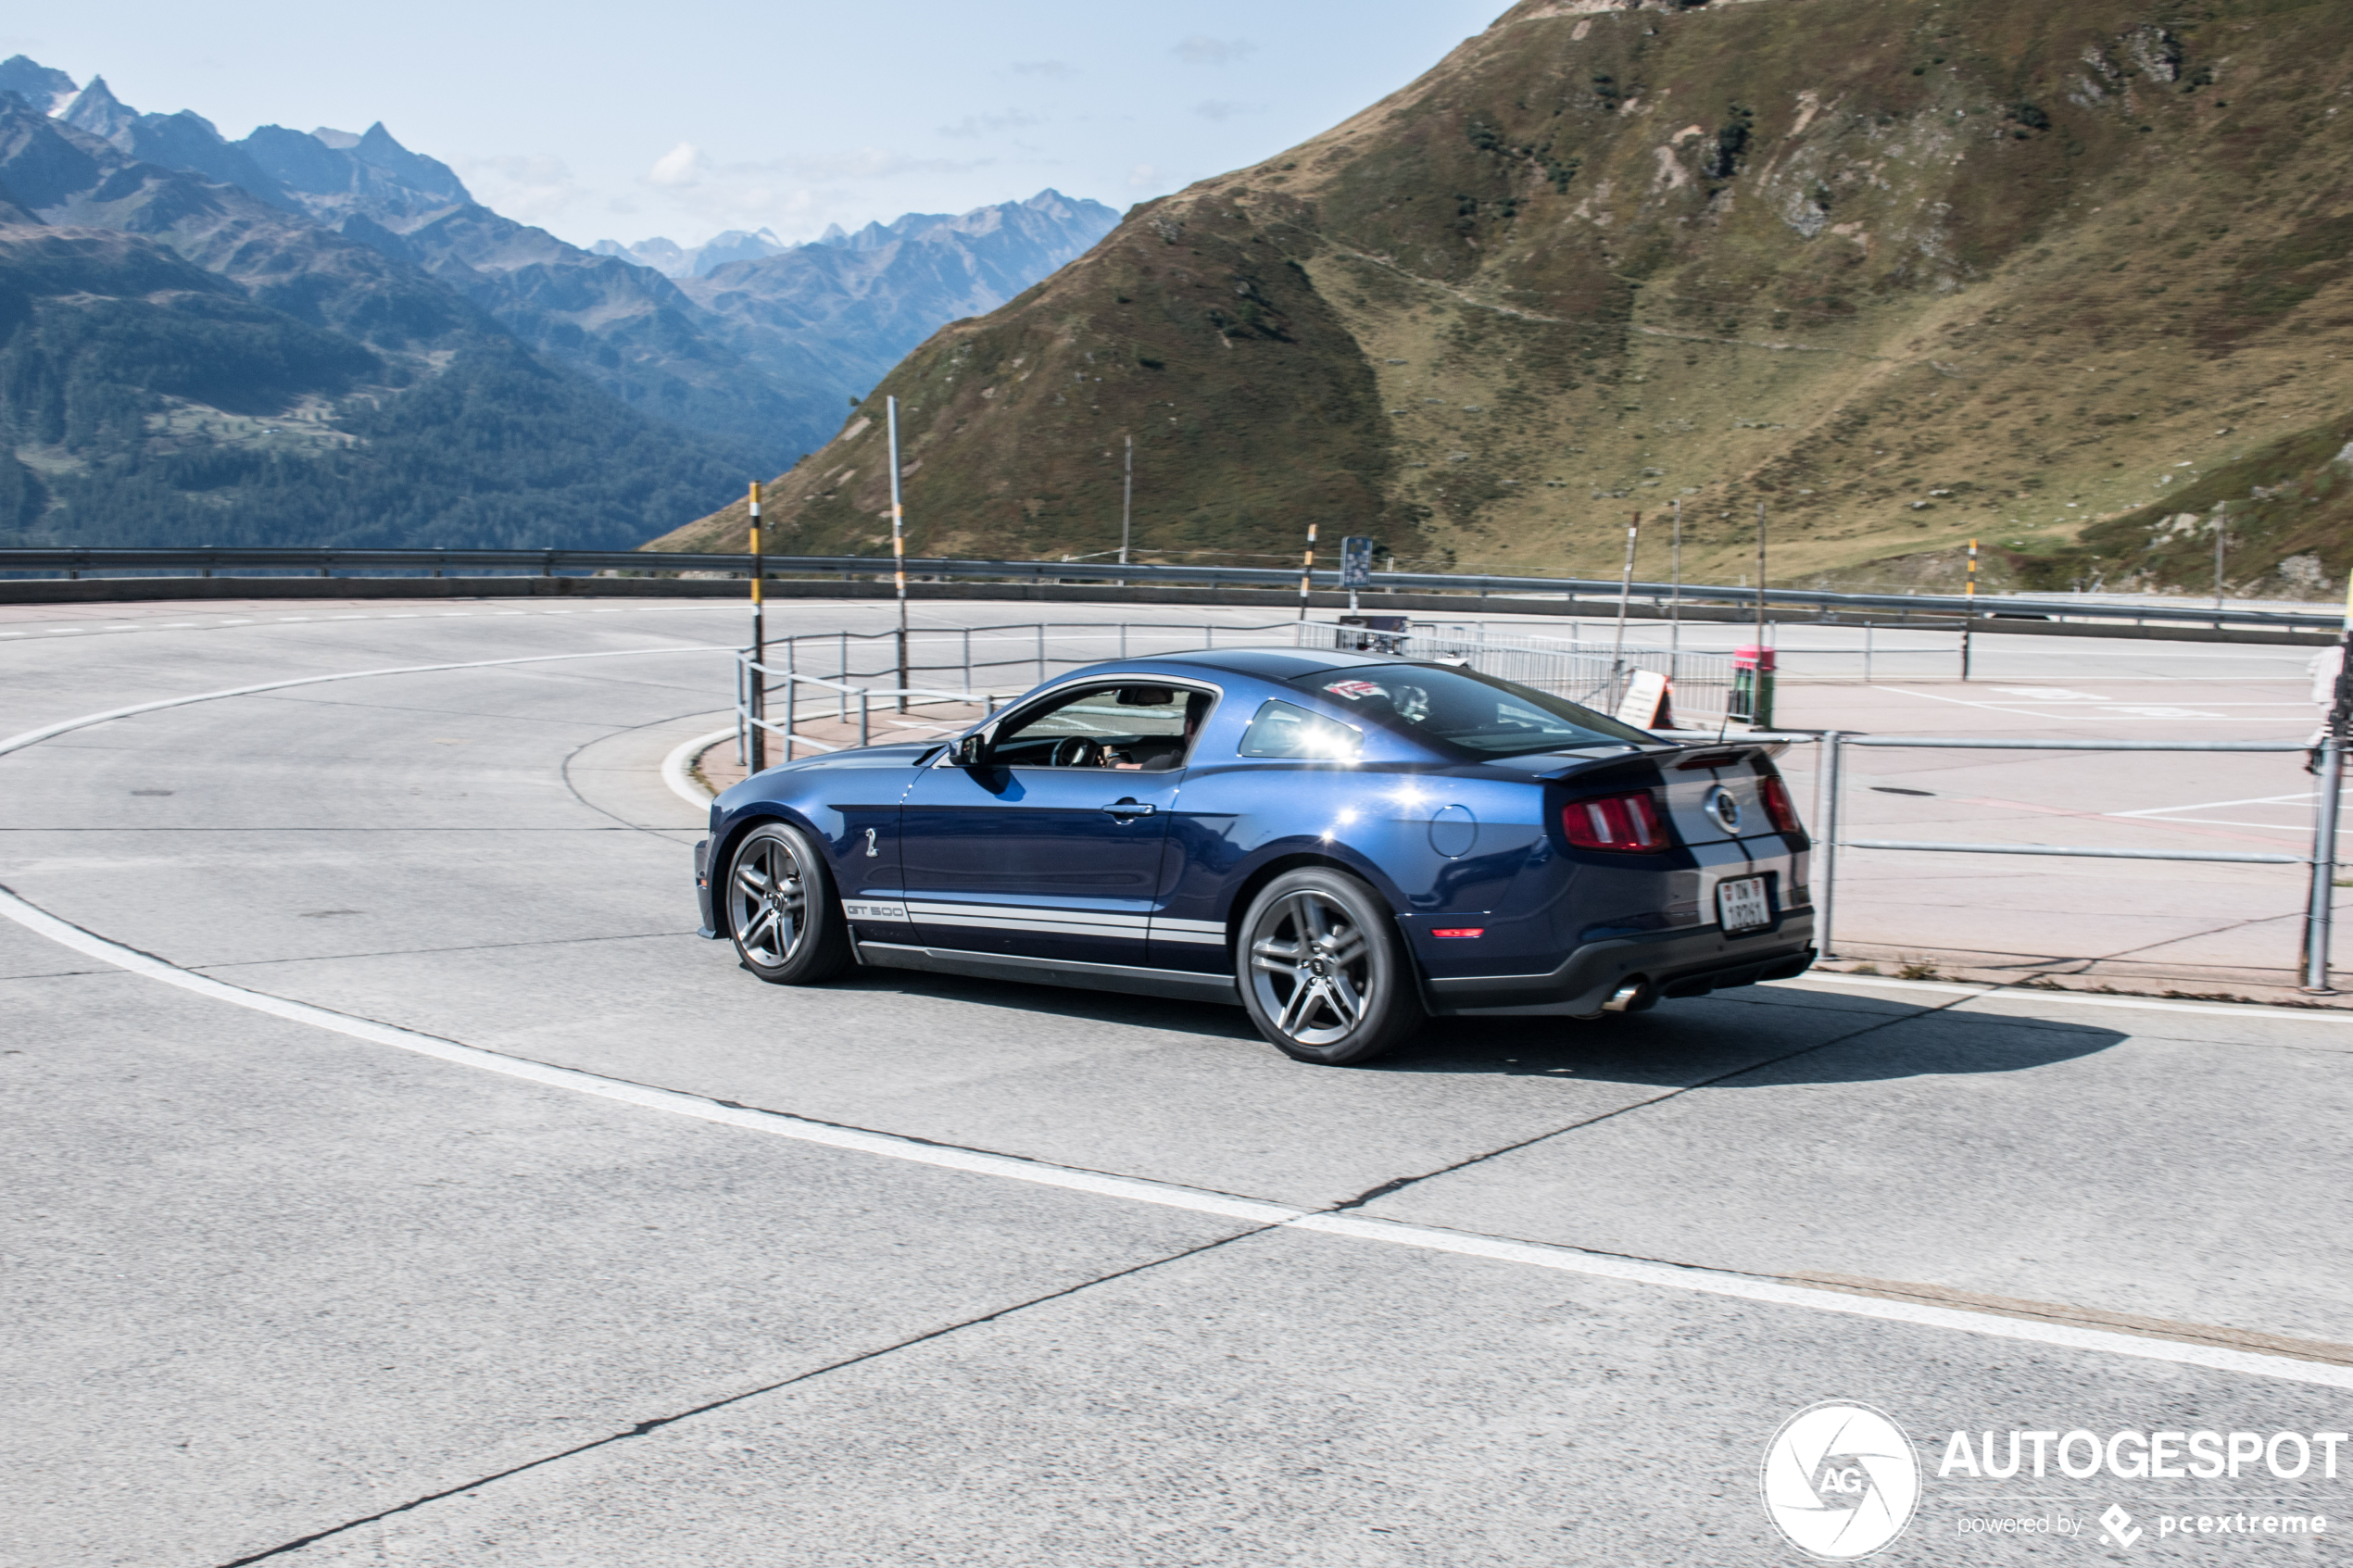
1471	712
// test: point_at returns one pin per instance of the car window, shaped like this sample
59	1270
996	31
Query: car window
1479	714
1126	726
1280	730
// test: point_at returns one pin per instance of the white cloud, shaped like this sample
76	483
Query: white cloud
1055	69
988	124
683	165
1203	50
1147	177
1223	108
535	189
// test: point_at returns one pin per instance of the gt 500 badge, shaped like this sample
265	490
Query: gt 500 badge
860	909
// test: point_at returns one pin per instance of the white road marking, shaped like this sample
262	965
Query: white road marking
1132	1190
31	737
674	768
2065	999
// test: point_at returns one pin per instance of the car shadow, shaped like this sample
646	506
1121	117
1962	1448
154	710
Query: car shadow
1056	1001
1741	1040
1741	1043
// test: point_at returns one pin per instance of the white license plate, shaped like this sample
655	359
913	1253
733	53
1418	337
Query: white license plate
1741	904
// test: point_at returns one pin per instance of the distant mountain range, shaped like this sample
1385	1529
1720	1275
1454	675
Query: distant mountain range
2073	282
196	334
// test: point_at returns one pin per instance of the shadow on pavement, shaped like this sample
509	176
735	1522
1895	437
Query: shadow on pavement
1757	1046
1774	1038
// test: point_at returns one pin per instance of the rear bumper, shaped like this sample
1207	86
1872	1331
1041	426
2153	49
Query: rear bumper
1673	963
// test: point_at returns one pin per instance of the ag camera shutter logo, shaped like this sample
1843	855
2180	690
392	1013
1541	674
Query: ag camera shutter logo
1840	1480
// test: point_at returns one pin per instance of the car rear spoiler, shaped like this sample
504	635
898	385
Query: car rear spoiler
1677	754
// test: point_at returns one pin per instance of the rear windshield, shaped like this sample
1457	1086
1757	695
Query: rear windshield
1470	712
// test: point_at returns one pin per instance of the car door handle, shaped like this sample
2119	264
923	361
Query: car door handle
1130	808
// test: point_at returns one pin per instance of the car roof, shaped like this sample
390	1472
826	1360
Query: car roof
1270	664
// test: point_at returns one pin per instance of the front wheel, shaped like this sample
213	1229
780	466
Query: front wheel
781	912
1322	969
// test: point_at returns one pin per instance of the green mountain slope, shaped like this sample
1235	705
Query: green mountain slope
1906	271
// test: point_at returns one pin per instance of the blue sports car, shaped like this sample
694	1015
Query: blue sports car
1342	843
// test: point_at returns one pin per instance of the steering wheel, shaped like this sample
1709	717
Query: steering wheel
1076	751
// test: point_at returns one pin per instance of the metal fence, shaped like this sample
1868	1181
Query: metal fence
847	676
2312	959
843	675
1588	672
1923	610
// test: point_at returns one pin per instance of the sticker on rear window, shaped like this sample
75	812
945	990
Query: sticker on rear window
1355	689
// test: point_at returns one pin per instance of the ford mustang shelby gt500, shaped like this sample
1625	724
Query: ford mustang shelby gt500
1344	844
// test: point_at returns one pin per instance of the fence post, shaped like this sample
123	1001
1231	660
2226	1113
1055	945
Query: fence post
1041	652
2320	914
792	693
1826	791
743	714
968	659
862	716
1866	654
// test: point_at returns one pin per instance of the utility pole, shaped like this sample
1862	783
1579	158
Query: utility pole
897	548
1625	593
1760	575
1307	571
2221	535
1968	608
757	696
1127	503
1675	600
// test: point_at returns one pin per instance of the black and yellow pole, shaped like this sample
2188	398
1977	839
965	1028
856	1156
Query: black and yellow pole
756	689
1307	571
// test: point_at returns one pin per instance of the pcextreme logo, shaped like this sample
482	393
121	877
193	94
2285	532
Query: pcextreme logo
1840	1480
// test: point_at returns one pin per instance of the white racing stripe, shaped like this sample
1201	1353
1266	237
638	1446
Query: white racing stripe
1352	1226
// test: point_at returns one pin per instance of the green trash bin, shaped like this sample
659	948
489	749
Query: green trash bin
1753	686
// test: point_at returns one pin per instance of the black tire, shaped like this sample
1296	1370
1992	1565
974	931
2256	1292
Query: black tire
1323	970
778	905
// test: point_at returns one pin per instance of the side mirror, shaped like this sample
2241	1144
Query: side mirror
970	751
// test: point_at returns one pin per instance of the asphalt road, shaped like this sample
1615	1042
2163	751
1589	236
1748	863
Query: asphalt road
393	1177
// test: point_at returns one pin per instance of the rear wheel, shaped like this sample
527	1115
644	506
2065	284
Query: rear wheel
1323	971
787	926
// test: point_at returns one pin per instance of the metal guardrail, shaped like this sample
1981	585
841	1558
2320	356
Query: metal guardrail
2319	909
1591	674
1038	649
865	667
1902	609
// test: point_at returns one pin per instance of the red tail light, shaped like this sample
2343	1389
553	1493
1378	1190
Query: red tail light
1624	822
1775	794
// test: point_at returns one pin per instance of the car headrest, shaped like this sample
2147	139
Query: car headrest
1146	696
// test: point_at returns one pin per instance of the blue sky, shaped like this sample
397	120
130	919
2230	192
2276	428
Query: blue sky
602	122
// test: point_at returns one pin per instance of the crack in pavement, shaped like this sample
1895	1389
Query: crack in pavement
655	1423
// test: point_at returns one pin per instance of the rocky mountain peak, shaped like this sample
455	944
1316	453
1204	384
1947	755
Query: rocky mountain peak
429	176
43	87
99	112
